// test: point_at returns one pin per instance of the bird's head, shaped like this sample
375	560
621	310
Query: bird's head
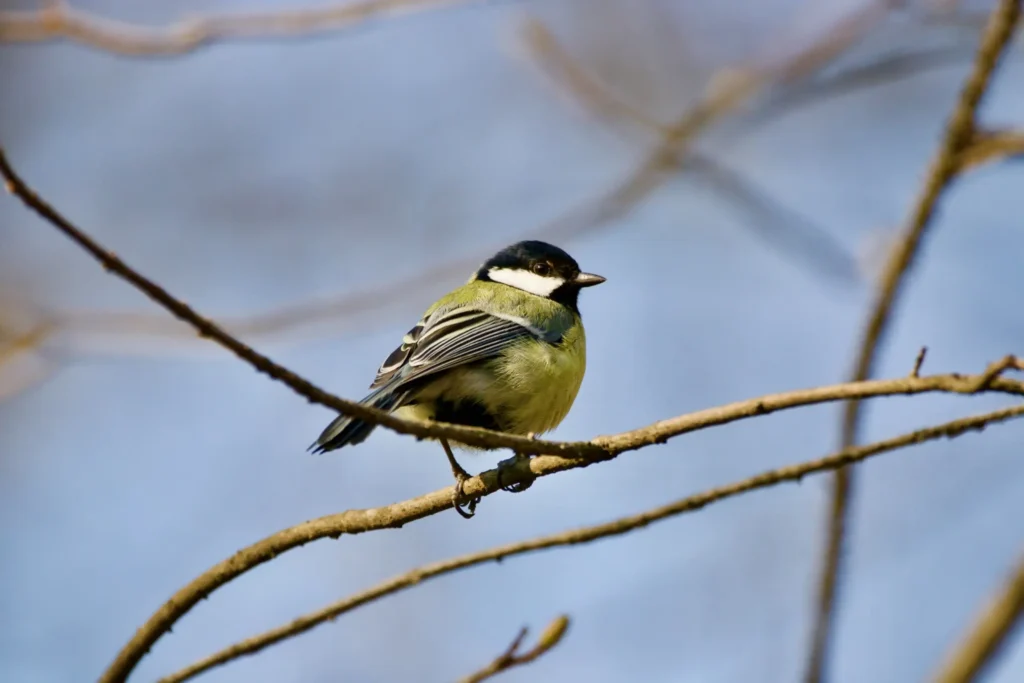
538	268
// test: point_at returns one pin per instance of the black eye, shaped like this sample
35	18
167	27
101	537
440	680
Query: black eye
541	268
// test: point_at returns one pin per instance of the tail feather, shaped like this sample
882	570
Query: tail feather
344	430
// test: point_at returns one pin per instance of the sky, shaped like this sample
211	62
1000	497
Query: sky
247	177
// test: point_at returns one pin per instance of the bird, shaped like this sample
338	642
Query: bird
506	351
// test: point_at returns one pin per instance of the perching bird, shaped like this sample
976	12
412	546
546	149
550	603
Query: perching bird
505	351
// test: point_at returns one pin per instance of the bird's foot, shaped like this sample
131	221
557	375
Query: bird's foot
458	494
505	465
464	505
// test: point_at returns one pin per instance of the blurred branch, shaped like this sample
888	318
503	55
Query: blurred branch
782	228
881	70
510	658
345	306
992	146
792	473
829	257
60	21
25	342
578	454
959	136
19	346
565	71
994	624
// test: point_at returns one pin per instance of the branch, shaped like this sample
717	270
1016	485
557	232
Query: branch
993	625
588	534
884	69
992	146
58	21
960	133
508	659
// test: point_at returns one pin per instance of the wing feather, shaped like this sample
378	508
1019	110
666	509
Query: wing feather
448	339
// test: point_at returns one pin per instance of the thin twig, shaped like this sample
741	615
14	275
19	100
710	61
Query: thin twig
995	369
992	146
960	133
587	534
510	658
919	362
62	22
994	624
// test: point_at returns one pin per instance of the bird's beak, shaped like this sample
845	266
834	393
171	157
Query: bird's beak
588	280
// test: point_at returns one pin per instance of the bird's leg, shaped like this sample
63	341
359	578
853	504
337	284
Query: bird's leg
461	476
505	465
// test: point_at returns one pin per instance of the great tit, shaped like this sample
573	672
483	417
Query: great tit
505	351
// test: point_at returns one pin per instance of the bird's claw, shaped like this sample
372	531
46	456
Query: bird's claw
459	498
504	466
458	492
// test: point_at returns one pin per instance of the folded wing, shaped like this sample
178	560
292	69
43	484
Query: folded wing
448	339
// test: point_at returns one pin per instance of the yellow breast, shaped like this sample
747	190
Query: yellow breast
539	382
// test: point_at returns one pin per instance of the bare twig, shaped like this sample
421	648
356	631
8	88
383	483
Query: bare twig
992	146
511	657
59	21
587	534
919	362
960	133
1004	611
996	369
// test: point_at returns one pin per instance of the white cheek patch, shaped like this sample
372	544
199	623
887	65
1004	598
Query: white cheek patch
526	281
